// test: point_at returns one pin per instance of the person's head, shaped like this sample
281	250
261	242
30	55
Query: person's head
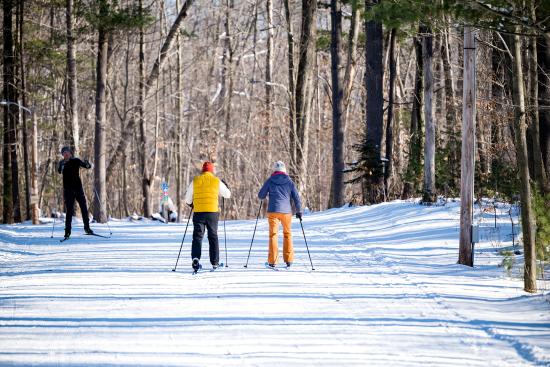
208	167
279	166
66	152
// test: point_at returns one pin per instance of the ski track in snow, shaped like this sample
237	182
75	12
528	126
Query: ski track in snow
386	291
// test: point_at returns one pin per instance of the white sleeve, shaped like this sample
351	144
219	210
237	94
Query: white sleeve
224	191
189	194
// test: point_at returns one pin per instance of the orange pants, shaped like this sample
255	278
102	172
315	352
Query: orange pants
288	251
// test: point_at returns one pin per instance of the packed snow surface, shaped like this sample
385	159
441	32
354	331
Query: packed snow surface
386	291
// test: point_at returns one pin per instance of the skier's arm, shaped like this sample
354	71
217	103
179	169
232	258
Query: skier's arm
224	190
189	194
264	190
84	163
60	166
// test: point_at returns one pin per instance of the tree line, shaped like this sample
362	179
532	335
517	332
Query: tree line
362	99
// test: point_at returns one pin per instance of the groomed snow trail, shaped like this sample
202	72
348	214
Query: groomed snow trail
386	291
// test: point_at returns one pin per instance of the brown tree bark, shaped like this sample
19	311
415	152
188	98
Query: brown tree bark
429	194
337	195
520	125
543	58
304	91
72	86
465	255
100	189
11	210
145	176
389	120
374	76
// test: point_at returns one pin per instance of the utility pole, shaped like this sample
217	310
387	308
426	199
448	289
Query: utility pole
465	256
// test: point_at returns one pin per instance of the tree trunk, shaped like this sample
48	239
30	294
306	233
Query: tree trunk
23	88
465	256
100	200
304	90
337	194
451	111
145	176
429	194
269	77
179	126
534	137
34	173
389	121
520	125
72	90
10	109
415	140
291	87
543	57
351	61
374	73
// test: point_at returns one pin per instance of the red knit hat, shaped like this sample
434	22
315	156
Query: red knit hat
208	167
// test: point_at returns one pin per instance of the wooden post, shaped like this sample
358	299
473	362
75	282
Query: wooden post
34	172
468	149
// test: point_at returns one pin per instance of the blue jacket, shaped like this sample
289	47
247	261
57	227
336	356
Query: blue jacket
280	189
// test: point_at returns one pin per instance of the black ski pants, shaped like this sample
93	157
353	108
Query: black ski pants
70	196
210	222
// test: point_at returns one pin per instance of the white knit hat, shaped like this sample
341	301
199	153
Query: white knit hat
279	166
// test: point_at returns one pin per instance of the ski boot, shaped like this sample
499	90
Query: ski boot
196	265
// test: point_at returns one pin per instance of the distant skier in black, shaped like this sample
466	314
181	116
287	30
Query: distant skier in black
72	189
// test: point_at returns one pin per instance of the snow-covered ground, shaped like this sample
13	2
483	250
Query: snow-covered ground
386	291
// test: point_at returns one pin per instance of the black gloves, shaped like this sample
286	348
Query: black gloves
299	215
225	183
87	164
60	166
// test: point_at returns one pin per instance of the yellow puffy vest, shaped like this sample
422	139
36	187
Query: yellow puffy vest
206	188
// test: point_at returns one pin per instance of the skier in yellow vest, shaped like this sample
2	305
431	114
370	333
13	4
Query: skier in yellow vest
203	196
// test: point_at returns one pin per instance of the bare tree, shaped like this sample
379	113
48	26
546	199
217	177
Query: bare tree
304	92
337	194
374	76
100	188
429	194
527	214
72	85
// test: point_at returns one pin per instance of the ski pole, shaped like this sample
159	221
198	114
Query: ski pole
184	233
312	268
224	231
254	233
108	226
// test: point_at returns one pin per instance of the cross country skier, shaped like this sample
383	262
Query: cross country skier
69	166
281	191
203	196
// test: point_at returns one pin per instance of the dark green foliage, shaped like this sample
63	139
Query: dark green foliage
368	169
541	205
110	16
502	182
445	173
323	40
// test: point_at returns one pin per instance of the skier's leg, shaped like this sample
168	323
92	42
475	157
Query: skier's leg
81	199
198	234
288	250
273	253
214	247
69	211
